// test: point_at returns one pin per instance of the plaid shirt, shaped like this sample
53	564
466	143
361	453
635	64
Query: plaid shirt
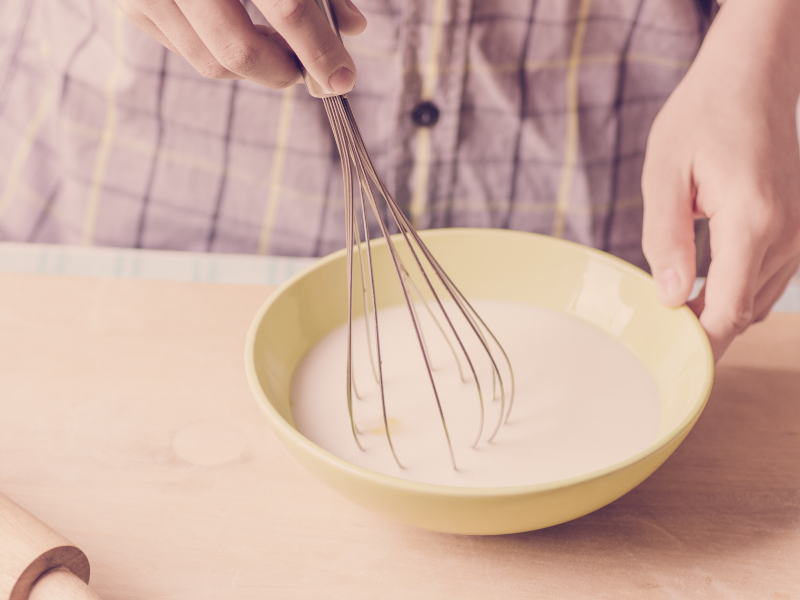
544	107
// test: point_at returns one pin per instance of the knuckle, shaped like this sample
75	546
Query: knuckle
289	12
765	219
739	316
764	210
213	70
321	54
239	58
761	317
283	81
657	248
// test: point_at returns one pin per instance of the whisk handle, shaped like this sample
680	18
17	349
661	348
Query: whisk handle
313	87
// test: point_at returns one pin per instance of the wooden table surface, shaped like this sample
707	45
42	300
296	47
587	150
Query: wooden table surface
126	424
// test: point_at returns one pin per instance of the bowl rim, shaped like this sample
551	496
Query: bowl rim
409	486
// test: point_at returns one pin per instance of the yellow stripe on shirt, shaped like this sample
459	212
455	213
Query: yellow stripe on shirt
430	76
572	131
107	136
278	160
24	147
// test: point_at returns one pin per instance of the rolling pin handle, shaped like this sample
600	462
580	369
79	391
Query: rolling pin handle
61	584
33	555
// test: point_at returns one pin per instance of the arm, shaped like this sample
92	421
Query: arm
218	38
725	146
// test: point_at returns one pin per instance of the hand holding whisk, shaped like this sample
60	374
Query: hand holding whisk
357	168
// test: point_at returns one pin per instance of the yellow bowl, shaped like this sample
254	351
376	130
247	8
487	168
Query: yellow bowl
486	263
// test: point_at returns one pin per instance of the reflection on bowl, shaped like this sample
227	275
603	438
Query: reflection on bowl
554	274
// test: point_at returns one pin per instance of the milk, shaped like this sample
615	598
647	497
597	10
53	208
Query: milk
583	401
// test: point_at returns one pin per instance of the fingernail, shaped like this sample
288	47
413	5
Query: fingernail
352	7
668	284
342	80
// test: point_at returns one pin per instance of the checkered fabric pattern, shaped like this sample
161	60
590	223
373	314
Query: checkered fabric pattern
108	139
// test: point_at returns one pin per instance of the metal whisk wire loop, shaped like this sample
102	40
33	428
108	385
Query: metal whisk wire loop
358	169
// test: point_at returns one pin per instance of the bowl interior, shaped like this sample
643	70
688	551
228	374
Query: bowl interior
600	289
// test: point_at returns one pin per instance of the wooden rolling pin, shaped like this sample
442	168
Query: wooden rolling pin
36	562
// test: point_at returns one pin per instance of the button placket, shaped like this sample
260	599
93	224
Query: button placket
446	101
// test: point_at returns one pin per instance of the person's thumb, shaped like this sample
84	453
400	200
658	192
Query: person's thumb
668	231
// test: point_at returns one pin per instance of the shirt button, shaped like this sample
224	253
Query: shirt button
425	114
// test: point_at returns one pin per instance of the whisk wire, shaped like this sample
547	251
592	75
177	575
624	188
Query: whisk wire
416	293
477	316
377	330
349	216
406	229
364	166
370	350
355	156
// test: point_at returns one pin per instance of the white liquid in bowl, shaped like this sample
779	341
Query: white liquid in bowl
583	400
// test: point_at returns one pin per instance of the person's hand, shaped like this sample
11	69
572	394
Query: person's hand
218	38
725	147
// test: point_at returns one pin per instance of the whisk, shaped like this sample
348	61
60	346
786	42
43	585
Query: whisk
357	167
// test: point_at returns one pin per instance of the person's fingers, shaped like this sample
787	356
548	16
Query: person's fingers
731	286
169	18
348	18
770	269
139	19
782	251
305	28
278	40
698	303
220	41
668	231
235	43
769	294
